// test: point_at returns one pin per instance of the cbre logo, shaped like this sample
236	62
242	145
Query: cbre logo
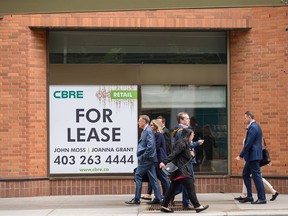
68	94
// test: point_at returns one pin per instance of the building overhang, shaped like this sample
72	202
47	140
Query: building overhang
64	6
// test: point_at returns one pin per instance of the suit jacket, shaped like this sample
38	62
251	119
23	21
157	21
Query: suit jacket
168	141
160	147
146	146
252	149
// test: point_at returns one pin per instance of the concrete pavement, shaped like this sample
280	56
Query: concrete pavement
220	204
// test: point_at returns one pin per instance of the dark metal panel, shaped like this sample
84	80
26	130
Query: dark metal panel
60	6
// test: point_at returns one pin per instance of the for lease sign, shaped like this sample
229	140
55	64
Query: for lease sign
93	129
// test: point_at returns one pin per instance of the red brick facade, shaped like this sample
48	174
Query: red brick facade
258	81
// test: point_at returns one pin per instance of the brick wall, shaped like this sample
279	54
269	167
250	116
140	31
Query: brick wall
258	77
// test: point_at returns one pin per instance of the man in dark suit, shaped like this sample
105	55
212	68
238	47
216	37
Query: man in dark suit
252	153
166	134
147	159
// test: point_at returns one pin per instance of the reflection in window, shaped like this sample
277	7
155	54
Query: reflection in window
136	47
207	109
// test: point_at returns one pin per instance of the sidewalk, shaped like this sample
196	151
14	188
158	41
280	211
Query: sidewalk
220	205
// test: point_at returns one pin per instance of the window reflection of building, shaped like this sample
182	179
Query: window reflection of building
204	107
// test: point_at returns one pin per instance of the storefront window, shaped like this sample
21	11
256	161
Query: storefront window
145	47
174	71
207	108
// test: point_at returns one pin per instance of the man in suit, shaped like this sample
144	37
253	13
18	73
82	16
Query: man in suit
252	154
147	159
166	134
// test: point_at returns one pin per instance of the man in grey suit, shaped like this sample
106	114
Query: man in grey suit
147	159
252	153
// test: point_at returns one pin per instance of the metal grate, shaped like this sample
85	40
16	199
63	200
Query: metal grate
177	207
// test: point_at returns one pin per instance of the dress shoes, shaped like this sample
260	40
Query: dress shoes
166	209
201	208
133	202
239	198
188	208
246	199
274	196
154	201
259	202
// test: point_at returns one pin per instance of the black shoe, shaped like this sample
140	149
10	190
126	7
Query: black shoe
188	208
274	196
259	202
246	199
201	208
154	201
133	202
165	209
239	198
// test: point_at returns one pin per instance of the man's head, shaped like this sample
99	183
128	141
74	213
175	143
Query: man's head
183	118
162	120
248	117
143	121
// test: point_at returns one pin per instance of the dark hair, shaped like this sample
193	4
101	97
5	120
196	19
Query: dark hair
162	118
186	132
249	113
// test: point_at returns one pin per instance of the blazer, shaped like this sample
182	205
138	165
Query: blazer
168	141
252	149
160	147
146	149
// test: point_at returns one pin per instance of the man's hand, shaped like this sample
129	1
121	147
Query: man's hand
161	165
201	142
238	158
192	153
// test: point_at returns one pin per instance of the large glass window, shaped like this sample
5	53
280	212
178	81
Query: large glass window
132	47
175	71
207	108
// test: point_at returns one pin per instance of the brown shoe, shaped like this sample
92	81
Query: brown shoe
147	197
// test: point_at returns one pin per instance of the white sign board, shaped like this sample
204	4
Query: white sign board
93	129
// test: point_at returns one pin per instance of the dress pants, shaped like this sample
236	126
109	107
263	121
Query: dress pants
146	166
163	179
185	195
187	183
253	167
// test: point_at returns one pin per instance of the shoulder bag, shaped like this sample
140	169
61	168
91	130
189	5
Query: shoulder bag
266	157
170	168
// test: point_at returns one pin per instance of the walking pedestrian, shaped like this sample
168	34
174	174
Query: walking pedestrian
147	160
181	157
267	186
161	155
166	134
252	154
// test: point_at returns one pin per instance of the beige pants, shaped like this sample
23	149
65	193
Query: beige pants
267	186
